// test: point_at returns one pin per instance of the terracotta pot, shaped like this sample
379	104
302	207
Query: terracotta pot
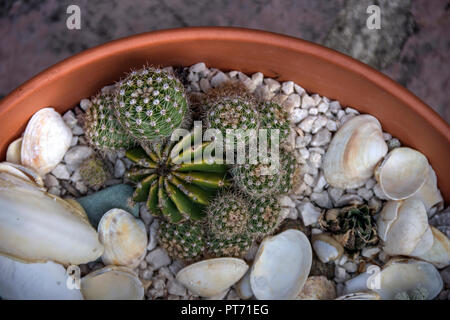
314	67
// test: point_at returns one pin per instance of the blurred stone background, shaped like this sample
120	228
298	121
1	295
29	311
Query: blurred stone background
412	46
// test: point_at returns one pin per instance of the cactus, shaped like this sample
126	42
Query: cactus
172	187
184	241
93	172
288	169
274	117
230	106
353	226
228	215
102	130
151	104
236	246
265	214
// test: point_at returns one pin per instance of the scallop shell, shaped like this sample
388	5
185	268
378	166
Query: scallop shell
326	248
429	193
281	266
112	283
403	226
34	281
402	173
210	277
37	226
439	253
124	238
13	151
354	151
45	141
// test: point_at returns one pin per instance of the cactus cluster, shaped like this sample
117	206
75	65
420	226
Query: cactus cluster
93	172
274	117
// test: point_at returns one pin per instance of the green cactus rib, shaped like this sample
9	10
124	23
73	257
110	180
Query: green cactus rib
151	104
177	192
274	117
236	246
265	215
102	130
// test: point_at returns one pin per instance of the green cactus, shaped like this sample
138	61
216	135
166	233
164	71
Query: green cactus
275	117
93	172
183	241
236	246
172	187
228	215
230	106
265	214
288	169
151	104
102	130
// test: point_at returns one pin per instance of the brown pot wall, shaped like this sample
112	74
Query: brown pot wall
316	68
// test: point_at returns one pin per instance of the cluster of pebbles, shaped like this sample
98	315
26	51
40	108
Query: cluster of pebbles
315	119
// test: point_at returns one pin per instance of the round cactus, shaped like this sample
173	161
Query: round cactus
265	213
172	186
151	104
184	241
101	129
288	168
93	172
228	215
231	107
236	246
274	117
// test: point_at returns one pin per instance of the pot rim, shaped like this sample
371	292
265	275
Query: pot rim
227	33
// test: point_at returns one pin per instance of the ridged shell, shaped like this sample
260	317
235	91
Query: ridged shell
439	253
402	172
45	141
124	238
34	281
13	151
38	226
210	277
112	283
281	266
403	227
354	151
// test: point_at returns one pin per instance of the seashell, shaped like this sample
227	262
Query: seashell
22	172
403	226
402	172
210	277
281	266
45	141
37	226
124	238
34	281
369	295
326	248
398	276
112	283
13	151
244	288
439	253
354	151
429	193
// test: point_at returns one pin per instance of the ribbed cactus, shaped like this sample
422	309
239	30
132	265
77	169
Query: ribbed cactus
93	172
265	213
274	117
102	130
236	246
288	167
151	104
184	241
172	187
230	106
228	215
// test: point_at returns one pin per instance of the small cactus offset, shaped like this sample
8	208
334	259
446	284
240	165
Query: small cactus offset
265	214
183	241
93	172
228	215
236	246
102	129
172	187
275	117
151	104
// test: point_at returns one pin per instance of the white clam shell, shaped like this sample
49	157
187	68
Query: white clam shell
354	151
403	227
402	173
281	266
35	281
429	193
13	151
439	253
244	288
37	226
112	283
45	141
124	238
326	248
210	277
